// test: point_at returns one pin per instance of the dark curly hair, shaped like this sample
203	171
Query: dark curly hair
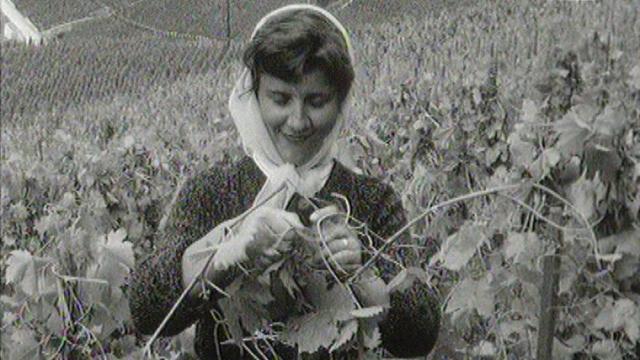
297	42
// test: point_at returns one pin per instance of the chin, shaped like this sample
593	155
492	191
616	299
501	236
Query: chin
295	160
296	155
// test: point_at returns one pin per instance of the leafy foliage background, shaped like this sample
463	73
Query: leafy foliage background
541	94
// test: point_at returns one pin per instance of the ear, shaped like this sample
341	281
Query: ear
255	81
255	85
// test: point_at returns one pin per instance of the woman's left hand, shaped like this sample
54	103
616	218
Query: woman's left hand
339	245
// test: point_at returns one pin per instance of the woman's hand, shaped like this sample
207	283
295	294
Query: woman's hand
267	235
339	245
259	241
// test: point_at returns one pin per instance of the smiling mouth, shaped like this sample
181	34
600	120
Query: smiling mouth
296	138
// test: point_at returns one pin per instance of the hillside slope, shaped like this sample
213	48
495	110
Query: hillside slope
47	14
121	54
207	18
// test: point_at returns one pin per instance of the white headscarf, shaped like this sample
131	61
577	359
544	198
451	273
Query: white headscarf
258	144
307	179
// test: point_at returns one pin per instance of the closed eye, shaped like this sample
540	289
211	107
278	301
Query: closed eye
280	98
318	101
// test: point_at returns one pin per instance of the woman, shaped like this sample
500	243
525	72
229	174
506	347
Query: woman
289	107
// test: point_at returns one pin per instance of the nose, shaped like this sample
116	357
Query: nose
298	120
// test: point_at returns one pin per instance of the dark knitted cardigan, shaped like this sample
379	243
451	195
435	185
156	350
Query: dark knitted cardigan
223	193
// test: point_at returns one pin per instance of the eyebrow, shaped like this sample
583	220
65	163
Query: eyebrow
279	92
320	94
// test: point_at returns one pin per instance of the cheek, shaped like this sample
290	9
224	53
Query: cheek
272	116
326	119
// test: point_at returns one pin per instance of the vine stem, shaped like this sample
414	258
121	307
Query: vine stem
187	290
588	226
418	218
537	214
67	278
476	194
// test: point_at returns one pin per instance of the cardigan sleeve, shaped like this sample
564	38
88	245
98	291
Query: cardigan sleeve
410	327
156	282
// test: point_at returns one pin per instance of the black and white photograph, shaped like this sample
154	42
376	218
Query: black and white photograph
320	179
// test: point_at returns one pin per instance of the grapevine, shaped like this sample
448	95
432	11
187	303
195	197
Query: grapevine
450	104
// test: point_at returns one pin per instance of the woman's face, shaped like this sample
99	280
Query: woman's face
299	116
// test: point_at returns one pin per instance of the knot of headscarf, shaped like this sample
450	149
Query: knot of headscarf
306	179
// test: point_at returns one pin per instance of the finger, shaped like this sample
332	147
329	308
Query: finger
286	240
345	257
345	239
266	241
331	233
270	253
278	220
344	269
350	268
328	249
323	252
291	235
281	220
339	244
325	211
291	219
284	245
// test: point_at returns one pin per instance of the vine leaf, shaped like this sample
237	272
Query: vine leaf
55	322
288	281
405	279
529	111
246	308
114	258
515	245
485	348
24	344
372	338
551	158
634	77
628	242
347	331
367	312
522	152
115	247
522	247
585	194
626	246
319	328
574	129
460	247
603	161
625	242
471	295
25	270
610	122
606	349
623	314
232	317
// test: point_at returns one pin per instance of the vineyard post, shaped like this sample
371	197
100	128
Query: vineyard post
228	20
548	299
546	325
